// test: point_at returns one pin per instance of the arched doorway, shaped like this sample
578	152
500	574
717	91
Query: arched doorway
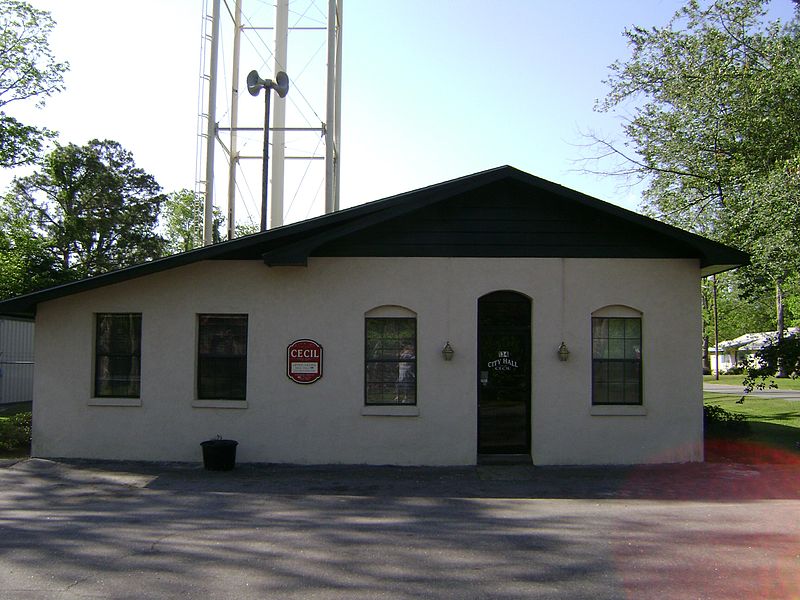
504	374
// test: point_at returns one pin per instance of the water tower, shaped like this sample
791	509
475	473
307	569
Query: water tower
239	36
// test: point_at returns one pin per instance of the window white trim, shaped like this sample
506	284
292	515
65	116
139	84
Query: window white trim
390	311
103	401
112	399
204	402
219	403
618	310
388	410
618	410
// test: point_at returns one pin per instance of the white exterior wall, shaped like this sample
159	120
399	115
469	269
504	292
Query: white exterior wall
324	422
728	359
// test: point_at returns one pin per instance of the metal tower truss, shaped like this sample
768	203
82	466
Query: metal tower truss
302	38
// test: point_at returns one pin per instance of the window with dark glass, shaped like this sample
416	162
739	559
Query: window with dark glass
616	360
222	357
118	355
391	361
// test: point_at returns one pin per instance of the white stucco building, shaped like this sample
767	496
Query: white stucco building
147	362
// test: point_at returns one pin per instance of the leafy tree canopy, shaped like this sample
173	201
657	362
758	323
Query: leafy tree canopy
26	265
715	102
91	207
28	71
779	358
713	127
182	221
736	317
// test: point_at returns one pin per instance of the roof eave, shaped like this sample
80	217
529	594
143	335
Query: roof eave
293	244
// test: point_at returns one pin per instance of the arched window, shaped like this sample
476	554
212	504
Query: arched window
616	356
390	363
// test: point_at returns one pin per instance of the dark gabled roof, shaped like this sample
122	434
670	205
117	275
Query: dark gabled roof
501	212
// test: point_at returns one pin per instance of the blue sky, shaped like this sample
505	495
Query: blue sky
432	89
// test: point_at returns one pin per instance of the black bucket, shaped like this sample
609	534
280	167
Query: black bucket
219	455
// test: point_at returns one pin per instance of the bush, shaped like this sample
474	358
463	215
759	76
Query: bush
15	431
779	358
719	421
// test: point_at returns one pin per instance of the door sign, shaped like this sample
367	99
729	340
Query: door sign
304	361
503	362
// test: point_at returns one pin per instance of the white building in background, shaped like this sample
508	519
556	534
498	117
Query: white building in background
733	353
573	326
16	360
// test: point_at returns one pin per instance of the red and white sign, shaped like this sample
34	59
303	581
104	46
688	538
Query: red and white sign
304	361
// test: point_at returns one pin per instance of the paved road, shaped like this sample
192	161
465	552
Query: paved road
722	388
82	530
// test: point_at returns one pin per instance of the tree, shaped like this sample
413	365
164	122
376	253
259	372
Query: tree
26	265
248	228
715	129
94	210
716	103
27	71
771	226
735	316
742	310
778	358
182	221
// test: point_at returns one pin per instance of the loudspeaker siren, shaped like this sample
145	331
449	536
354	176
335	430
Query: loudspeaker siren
254	83
281	83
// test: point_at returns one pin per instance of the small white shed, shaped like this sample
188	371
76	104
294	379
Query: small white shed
16	360
733	353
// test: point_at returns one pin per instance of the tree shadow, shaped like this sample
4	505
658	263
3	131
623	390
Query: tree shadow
128	530
770	474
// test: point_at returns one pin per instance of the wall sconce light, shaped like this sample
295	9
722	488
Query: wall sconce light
448	352
563	352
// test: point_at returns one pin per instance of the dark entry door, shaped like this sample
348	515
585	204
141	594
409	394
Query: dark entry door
504	374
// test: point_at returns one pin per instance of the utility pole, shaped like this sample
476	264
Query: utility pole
716	329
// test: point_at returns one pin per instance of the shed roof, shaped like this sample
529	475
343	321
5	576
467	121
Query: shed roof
751	342
502	212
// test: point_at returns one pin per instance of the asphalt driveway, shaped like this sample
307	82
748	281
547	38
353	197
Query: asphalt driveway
73	530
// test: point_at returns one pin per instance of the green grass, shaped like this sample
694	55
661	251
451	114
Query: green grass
774	422
783	384
765	410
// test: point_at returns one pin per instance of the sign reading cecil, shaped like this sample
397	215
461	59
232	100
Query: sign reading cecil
304	361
